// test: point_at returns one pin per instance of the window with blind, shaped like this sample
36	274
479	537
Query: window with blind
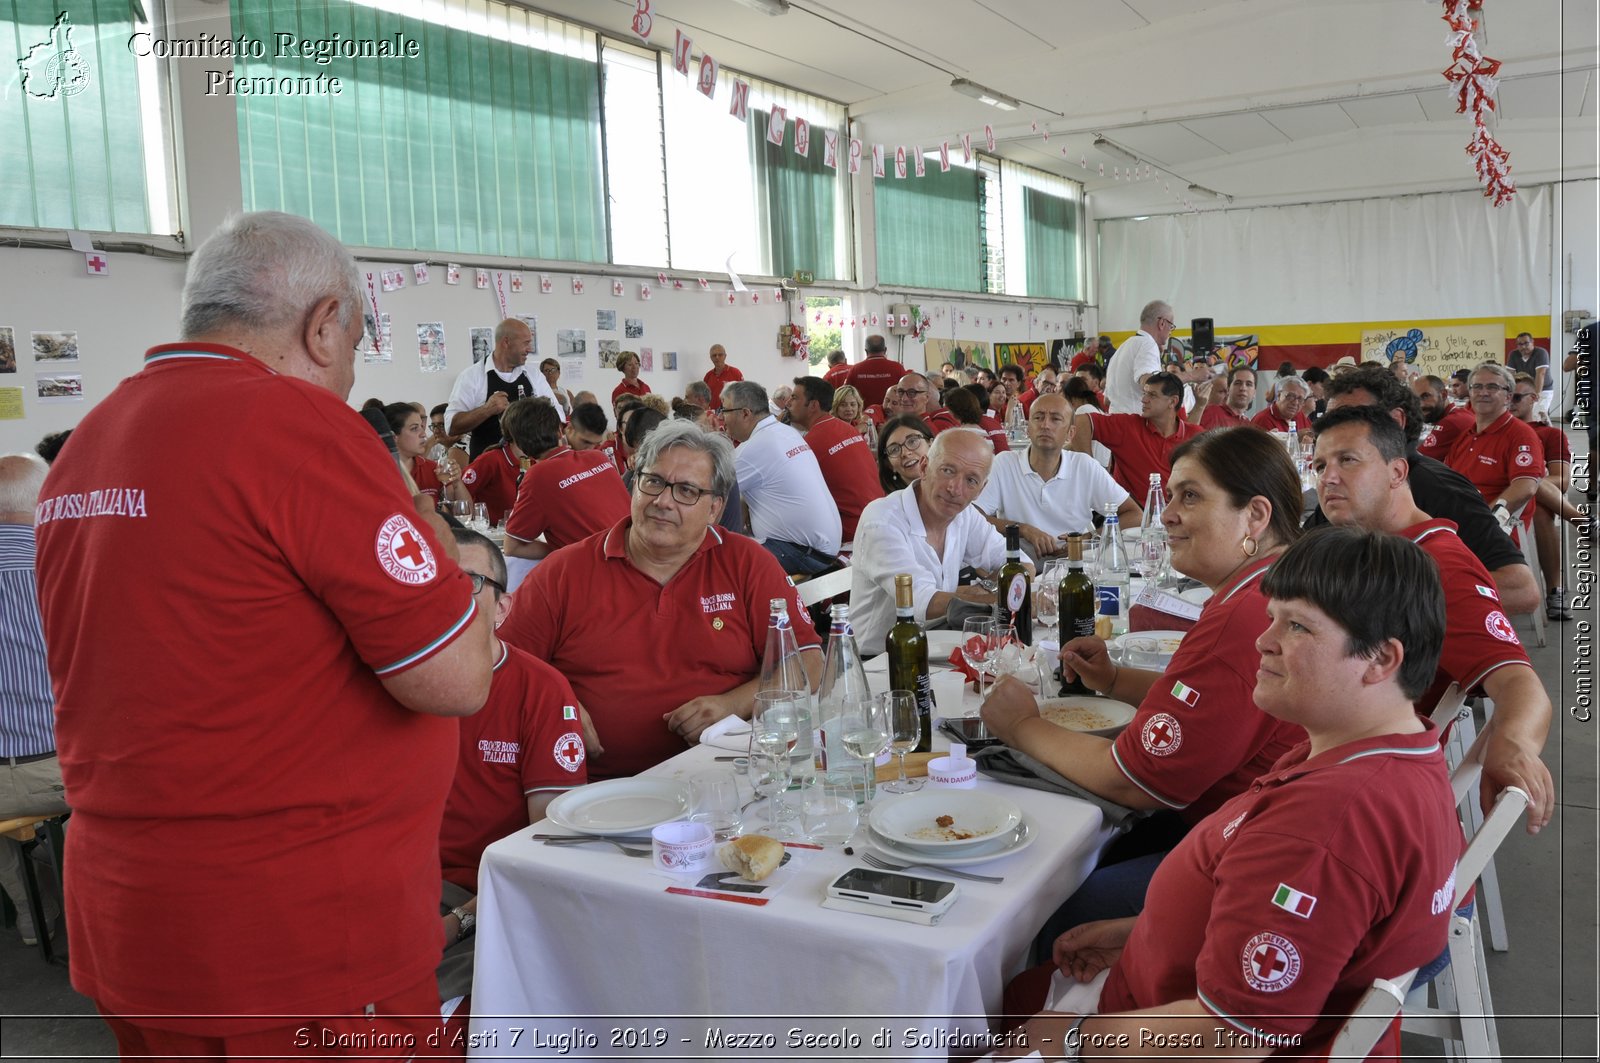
82	122
928	229
1042	225
488	142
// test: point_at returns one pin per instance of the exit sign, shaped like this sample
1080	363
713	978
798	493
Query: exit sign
804	276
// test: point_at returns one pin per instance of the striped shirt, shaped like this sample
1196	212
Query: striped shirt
27	717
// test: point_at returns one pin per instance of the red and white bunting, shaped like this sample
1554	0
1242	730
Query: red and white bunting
988	136
777	125
644	292
944	156
755	298
452	273
830	148
802	136
516	283
546	285
900	162
682	49
644	19
707	83
577	286
877	160
1474	84
966	147
855	156
419	272
480	279
617	289
95	264
731	298
661	279
705	285
739	100
922	164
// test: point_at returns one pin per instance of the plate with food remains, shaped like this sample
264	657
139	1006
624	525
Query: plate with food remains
1012	841
1097	716
944	820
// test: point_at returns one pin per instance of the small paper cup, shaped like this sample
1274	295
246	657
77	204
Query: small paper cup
949	693
955	773
681	847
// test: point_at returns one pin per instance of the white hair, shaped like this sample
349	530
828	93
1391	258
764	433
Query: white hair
21	477
1501	372
265	271
1154	309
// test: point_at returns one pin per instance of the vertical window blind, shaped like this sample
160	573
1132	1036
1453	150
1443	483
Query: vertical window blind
928	230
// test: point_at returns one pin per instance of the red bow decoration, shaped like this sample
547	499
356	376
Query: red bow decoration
1473	76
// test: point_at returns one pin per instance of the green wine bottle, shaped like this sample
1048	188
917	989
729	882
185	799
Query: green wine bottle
1076	606
1015	590
907	647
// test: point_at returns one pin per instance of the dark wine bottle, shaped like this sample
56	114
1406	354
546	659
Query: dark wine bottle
1015	590
1076	605
907	647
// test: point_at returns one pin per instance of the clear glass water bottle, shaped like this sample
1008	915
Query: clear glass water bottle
844	683
1112	578
781	669
1152	532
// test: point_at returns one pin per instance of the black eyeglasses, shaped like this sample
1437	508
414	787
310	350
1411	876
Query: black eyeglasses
479	579
1521	395
723	411
916	442
682	490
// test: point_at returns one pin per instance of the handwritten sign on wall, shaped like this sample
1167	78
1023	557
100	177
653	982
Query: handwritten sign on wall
1438	350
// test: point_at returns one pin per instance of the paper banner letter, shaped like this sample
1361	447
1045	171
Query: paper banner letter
855	155
988	136
802	137
830	149
682	48
777	126
900	162
643	20
877	160
419	272
739	103
944	156
922	165
708	77
480	279
966	147
452	273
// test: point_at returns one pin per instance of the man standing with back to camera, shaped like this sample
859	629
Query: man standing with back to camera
255	651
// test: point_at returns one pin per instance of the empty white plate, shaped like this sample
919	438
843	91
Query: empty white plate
620	806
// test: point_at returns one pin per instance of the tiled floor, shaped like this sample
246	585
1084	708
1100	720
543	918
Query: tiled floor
1544	987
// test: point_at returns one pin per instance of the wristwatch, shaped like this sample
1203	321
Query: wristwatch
469	922
1071	1043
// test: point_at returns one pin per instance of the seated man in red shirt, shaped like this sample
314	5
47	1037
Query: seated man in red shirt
1288	405
566	495
660	621
1139	443
848	466
493	478
525	747
1551	496
1275	914
1361	481
1442	421
920	396
1498	453
1232	410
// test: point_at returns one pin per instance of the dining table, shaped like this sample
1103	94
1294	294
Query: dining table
585	952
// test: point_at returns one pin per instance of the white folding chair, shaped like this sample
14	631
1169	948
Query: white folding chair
1462	1014
1454	712
820	588
1530	554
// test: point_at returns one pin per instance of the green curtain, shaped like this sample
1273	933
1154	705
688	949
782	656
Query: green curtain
75	159
795	201
477	145
1050	234
928	230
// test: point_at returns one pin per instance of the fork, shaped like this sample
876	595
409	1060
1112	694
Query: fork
626	850
884	865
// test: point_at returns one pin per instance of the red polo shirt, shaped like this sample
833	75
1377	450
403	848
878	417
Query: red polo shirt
940	420
1478	638
996	433
635	387
1198	738
1556	447
839	375
1138	449
874	375
635	650
716	381
1505	451
492	480
1026	398
567	496
1270	420
1286	904
525	739
848	465
425	474
1437	439
876	415
1221	416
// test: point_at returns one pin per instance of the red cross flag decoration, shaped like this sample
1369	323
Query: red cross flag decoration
95	264
516	283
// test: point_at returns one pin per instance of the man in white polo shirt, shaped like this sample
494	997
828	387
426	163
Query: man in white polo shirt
1049	491
791	510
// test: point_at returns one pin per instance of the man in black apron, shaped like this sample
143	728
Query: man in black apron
484	390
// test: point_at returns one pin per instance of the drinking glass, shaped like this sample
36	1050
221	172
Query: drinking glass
905	731
777	721
460	509
480	515
978	645
864	733
1046	590
716	802
828	807
769	775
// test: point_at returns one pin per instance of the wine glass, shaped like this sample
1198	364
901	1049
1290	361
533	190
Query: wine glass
864	732
774	731
460	509
905	731
1046	590
978	646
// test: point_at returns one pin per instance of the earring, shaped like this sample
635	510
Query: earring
1249	546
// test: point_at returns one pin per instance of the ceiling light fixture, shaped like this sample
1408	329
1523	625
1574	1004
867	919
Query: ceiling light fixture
986	95
768	7
1103	145
1204	191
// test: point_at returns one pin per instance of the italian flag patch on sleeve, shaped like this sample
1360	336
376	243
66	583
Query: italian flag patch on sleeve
1293	901
569	712
1186	694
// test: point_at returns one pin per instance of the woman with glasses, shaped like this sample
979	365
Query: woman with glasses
903	451
551	370
439	480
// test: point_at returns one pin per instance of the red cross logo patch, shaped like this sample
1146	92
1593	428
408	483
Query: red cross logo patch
1500	627
404	553
1270	963
1162	735
1524	458
569	751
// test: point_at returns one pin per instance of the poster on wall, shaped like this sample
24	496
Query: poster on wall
572	373
482	343
647	358
430	346
1030	356
959	353
60	387
669	361
609	349
8	349
1437	350
633	327
570	341
605	320
55	346
10	404
532	321
379	347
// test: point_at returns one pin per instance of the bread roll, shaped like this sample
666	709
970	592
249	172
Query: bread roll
754	856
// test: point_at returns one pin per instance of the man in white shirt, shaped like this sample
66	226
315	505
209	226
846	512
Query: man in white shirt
484	389
791	511
930	530
1138	357
1051	492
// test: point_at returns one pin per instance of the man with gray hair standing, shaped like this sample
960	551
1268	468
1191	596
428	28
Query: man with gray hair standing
792	512
1138	357
257	652
30	773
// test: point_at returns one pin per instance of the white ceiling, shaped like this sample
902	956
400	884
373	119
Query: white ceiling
1266	101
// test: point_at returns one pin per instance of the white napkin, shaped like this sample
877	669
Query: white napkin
1069	994
730	733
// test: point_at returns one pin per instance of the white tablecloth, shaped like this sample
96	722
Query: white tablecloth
581	948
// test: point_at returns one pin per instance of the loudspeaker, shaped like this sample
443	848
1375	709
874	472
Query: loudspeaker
1202	337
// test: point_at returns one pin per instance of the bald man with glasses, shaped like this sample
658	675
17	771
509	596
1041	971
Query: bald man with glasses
917	396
